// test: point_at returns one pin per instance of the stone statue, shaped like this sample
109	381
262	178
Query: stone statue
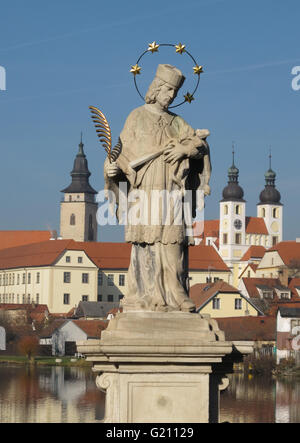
159	152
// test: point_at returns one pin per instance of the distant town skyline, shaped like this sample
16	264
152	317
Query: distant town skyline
60	58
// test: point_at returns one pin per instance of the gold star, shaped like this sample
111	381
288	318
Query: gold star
188	97
136	69
153	47
198	69
180	48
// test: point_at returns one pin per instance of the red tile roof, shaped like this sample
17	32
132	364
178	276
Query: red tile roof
293	285
11	239
288	251
35	254
211	228
248	328
251	285
206	258
92	328
256	225
254	252
103	255
208	228
202	292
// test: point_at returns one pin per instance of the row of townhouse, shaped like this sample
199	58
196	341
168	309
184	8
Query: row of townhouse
62	273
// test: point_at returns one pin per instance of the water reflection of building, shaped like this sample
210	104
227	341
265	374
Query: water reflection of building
261	400
287	401
51	395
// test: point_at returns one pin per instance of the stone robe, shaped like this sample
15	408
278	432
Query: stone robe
158	272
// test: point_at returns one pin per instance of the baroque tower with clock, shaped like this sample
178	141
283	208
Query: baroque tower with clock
232	234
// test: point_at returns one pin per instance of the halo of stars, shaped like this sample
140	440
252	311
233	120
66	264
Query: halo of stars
179	49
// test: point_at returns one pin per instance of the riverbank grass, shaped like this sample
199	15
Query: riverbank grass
44	361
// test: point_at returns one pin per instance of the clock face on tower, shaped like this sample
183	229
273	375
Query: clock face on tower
237	224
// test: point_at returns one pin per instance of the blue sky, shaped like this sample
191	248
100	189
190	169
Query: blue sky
62	56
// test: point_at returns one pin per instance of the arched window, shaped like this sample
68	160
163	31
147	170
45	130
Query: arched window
263	212
226	210
70	198
238	209
275	212
72	219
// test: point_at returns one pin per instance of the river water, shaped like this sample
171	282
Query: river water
69	395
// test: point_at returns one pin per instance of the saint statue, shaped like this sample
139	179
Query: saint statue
173	157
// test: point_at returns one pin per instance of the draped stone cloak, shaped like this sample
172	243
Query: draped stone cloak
146	132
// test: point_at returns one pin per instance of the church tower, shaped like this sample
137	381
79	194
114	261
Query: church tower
232	219
270	208
78	208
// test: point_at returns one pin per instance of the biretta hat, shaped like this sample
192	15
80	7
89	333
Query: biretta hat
171	75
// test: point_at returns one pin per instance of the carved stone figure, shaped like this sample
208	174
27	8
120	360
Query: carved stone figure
159	152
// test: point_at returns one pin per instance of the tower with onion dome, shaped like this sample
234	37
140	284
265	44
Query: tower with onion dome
270	207
232	239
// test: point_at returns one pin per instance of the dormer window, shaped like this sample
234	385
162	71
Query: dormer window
284	295
267	294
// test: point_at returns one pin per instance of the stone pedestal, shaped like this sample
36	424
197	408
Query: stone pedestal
162	367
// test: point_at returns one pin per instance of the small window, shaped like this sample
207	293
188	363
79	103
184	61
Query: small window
29	278
238	239
249	274
121	280
208	279
284	295
263	212
85	278
72	220
216	303
99	298
238	303
37	298
66	299
274	241
79	259
226	210
120	296
70	198
100	279
23	279
85	298
216	279
225	239
238	209
110	279
38	277
275	212
67	277
68	259
18	279
110	298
